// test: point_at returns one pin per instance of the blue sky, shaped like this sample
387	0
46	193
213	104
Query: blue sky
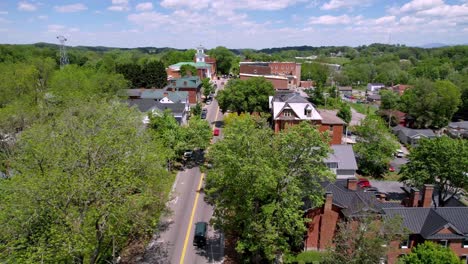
234	23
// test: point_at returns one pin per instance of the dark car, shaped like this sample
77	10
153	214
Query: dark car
204	112
199	238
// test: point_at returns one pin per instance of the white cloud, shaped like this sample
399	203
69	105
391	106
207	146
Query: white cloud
331	20
70	8
147	6
119	5
417	5
55	28
339	4
42	17
385	20
231	5
446	11
411	20
26	6
149	19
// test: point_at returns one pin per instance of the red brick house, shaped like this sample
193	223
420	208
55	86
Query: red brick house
289	71
400	88
345	201
190	84
289	108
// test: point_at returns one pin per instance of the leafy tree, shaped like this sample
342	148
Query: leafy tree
317	95
316	72
246	96
389	101
360	241
432	253
224	58
196	110
154	75
174	56
431	104
258	182
345	113
132	72
197	134
187	69
375	146
442	162
208	87
86	183
168	133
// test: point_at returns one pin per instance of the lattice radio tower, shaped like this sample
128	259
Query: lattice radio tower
63	52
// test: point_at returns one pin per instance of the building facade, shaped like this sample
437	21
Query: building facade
289	71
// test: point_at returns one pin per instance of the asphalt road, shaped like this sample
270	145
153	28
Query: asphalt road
187	206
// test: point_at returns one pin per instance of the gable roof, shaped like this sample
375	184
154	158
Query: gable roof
144	105
295	102
177	109
329	117
355	203
459	125
176	96
185	82
410	132
429	221
344	156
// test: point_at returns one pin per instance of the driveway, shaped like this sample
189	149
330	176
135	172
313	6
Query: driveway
356	117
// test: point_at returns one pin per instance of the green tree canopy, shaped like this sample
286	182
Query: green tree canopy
443	162
345	113
246	96
86	183
187	69
316	72
258	183
431	104
208	87
430	253
132	72
375	146
154	75
224	58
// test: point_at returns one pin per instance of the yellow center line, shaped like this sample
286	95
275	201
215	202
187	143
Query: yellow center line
189	228
216	118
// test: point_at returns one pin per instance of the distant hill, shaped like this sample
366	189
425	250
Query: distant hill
434	45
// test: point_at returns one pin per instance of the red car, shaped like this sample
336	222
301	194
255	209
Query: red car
216	132
364	183
391	168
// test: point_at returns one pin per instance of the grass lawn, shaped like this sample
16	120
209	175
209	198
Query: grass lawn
364	108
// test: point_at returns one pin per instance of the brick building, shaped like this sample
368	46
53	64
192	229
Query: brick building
190	84
345	201
291	71
279	82
205	65
289	108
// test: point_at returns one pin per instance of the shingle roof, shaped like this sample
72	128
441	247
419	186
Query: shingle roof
344	156
177	109
354	203
429	221
329	117
144	105
198	65
176	96
295	102
409	132
185	82
459	125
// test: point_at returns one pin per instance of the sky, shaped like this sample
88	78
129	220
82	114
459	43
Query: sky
234	23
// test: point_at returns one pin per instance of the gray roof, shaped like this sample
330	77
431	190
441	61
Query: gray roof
374	97
176	96
133	92
459	125
429	221
177	109
355	203
410	132
289	97
344	156
329	117
144	105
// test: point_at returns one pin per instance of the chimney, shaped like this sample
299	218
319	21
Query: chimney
165	94
351	184
414	198
427	195
328	202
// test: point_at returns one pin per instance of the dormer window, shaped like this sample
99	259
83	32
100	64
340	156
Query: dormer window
287	113
308	111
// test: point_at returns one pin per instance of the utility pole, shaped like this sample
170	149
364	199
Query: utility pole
63	52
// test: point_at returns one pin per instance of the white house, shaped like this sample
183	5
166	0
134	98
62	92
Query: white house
373	87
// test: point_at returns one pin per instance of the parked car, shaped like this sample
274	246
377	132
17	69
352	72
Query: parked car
391	168
364	183
371	189
208	101
204	112
216	132
199	238
400	154
188	154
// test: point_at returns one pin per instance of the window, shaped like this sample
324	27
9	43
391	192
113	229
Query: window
308	112
276	67
465	243
443	243
287	113
255	71
464	259
331	128
405	243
